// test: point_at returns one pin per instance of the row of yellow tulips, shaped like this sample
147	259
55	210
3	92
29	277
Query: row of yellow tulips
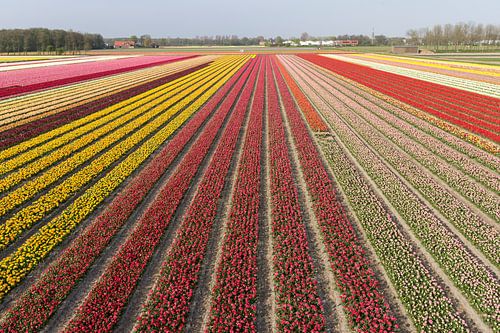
143	115
25	218
14	267
88	123
78	89
30	109
61	147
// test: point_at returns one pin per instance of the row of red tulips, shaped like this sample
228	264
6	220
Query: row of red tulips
235	291
377	80
104	303
418	130
396	252
388	141
168	303
427	305
485	105
24	132
455	103
298	306
29	80
35	306
368	310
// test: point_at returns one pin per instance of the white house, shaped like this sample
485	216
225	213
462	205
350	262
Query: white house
290	42
310	43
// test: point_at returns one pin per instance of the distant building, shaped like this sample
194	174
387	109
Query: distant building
310	43
338	42
290	43
401	49
124	44
345	42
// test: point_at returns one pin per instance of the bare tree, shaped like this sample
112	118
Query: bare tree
437	32
413	35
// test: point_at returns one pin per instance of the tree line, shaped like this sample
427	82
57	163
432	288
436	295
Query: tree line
46	41
233	40
458	37
219	40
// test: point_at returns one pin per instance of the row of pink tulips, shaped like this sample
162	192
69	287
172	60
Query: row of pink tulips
471	276
426	305
423	95
32	79
27	131
410	162
470	160
463	100
396	251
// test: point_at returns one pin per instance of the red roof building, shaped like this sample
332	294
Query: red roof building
124	44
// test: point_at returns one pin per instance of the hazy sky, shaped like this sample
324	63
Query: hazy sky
189	18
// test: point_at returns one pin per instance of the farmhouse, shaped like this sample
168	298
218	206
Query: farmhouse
310	43
124	44
290	43
345	42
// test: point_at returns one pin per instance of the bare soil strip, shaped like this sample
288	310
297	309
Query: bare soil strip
266	317
266	298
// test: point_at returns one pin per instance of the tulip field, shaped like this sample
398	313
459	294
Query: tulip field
249	193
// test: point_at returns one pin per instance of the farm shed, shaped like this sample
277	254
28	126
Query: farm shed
404	49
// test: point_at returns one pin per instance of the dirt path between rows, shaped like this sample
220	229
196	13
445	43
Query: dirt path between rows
266	302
